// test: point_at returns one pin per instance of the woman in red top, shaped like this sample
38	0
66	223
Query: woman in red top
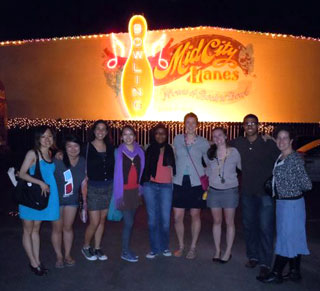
127	174
157	190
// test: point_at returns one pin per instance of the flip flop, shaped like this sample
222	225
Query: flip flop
59	265
191	254
178	253
69	263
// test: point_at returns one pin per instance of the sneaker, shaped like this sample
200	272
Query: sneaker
133	254
167	253
129	257
89	254
100	255
151	255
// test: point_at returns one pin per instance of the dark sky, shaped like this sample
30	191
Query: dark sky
50	18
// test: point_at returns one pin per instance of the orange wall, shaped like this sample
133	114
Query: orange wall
66	79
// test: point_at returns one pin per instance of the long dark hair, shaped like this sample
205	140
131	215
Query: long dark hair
212	151
69	138
107	139
38	132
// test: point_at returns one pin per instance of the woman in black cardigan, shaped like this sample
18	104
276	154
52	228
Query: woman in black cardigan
157	190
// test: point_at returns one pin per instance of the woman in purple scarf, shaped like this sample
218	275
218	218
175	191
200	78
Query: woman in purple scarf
127	174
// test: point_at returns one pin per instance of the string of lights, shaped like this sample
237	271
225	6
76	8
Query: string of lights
18	126
96	36
59	124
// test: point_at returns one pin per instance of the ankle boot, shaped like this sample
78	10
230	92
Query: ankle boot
294	269
276	274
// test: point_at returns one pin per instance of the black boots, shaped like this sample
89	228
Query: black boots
294	269
275	275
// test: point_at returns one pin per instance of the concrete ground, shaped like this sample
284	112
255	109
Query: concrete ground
162	273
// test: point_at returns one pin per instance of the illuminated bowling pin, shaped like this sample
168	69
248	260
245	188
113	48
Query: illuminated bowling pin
137	77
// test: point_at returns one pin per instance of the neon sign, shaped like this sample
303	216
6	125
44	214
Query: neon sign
137	77
162	74
191	56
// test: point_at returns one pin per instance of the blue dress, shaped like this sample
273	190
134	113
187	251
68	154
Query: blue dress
291	228
52	211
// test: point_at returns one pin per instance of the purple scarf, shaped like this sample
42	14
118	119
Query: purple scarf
118	170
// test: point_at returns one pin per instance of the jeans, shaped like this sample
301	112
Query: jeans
258	223
128	220
158	198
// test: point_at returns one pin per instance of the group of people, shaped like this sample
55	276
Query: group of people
172	177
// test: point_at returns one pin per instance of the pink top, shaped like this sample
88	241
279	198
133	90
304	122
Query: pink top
164	173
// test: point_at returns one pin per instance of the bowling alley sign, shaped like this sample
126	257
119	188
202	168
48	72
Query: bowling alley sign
169	76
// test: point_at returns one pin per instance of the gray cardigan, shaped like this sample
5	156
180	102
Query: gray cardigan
197	151
290	177
229	169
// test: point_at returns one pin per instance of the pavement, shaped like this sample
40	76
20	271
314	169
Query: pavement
159	274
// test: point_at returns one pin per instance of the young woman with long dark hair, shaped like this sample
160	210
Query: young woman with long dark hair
32	218
99	154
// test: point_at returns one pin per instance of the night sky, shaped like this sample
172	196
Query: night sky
50	18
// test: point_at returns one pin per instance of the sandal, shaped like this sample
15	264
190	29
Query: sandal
191	254
69	262
59	264
179	252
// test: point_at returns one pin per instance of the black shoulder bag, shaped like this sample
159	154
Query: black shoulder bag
29	194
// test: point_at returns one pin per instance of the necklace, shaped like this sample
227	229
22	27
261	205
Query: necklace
221	174
188	142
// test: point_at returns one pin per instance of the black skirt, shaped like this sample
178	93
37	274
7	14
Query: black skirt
186	196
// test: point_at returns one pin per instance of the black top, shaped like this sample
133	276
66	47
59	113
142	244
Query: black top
257	161
100	166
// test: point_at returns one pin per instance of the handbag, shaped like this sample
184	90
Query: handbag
83	210
113	213
204	179
30	194
268	186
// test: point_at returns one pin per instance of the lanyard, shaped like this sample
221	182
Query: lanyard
221	175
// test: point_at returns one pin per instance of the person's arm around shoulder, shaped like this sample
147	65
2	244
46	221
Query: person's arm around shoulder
29	160
274	151
267	137
235	143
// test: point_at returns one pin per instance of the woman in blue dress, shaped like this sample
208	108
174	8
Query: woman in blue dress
32	218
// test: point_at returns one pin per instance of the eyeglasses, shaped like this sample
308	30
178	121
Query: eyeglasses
249	123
